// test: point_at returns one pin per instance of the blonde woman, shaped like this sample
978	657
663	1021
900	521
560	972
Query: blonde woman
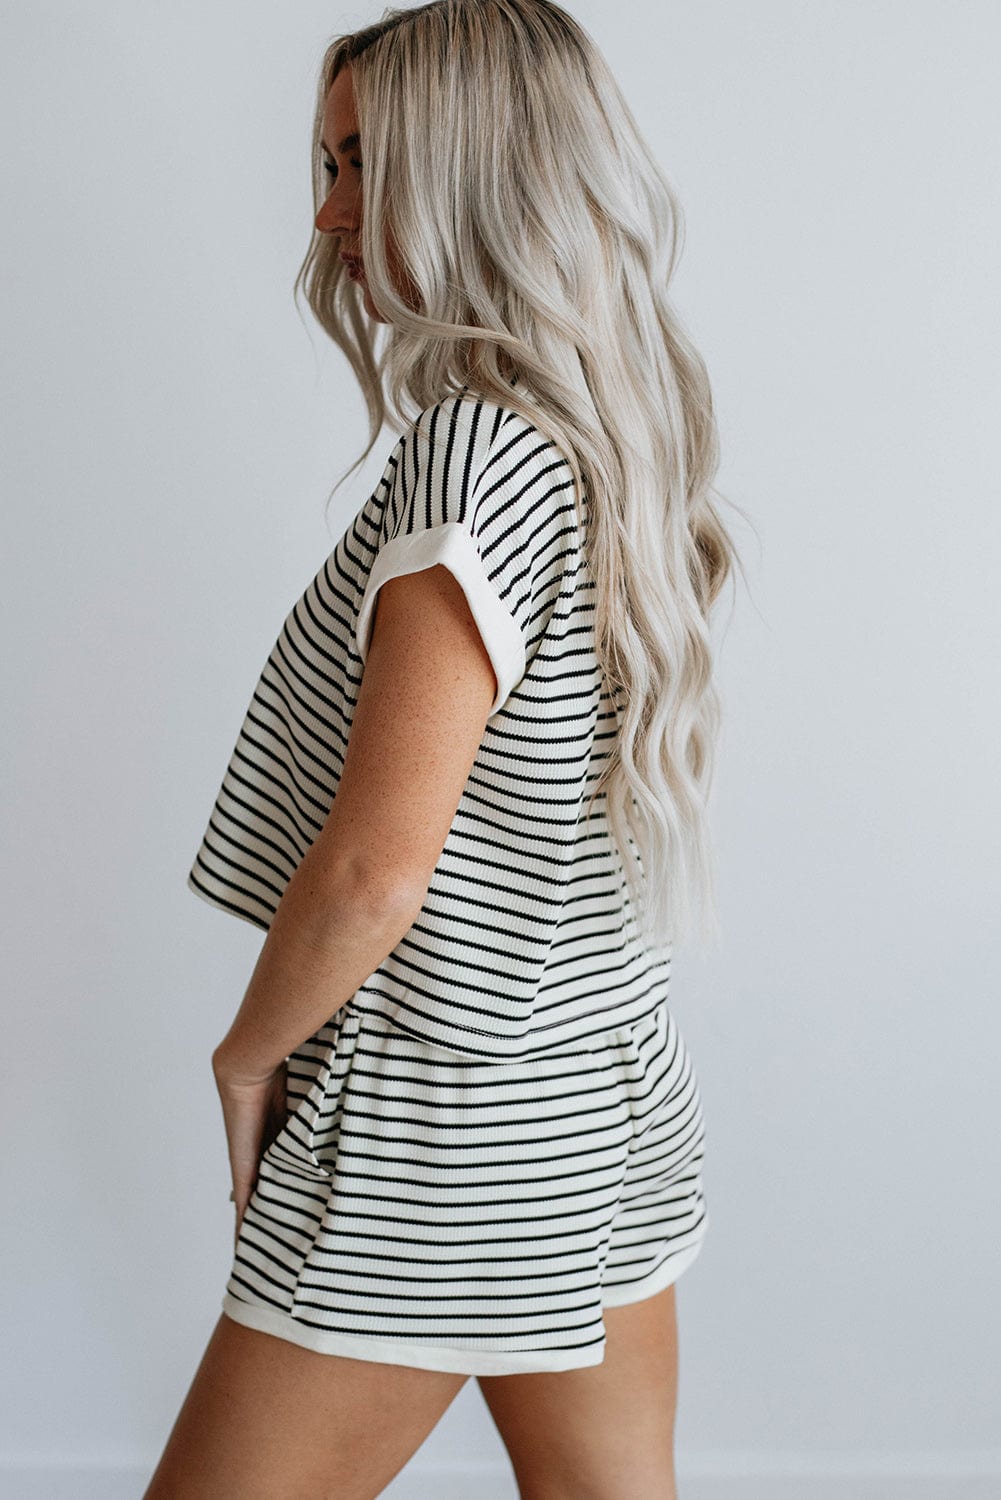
468	807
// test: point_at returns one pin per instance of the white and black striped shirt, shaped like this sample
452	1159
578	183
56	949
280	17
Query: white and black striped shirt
527	937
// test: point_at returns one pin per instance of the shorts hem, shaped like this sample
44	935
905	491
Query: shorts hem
397	1352
666	1273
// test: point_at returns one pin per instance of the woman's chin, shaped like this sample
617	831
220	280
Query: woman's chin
370	306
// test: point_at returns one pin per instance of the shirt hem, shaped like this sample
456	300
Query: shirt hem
221	904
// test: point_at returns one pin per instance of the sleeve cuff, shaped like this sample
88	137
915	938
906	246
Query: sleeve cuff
451	545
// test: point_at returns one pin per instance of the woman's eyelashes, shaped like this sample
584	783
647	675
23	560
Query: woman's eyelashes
331	167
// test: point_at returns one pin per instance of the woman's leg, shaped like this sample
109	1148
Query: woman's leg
605	1432
265	1419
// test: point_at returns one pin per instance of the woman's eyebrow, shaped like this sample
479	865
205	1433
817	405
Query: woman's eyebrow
348	144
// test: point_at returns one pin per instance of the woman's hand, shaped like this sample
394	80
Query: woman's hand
254	1111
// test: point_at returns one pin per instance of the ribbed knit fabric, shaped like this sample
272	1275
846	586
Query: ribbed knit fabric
500	1132
527	936
425	1209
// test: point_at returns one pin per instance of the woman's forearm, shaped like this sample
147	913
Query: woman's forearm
325	939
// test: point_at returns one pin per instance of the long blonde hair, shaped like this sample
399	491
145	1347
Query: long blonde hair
541	236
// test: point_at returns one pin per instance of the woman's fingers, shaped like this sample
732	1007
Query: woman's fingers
254	1114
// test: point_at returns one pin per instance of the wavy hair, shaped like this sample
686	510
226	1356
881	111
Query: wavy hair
541	235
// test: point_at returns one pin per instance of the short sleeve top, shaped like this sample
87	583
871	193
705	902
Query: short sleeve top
527	937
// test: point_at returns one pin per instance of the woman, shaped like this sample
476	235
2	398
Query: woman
468	807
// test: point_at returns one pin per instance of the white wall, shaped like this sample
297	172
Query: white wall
173	431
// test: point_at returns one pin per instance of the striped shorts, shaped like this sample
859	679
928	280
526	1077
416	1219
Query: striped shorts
423	1208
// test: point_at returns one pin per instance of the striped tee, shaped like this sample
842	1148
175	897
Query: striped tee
527	936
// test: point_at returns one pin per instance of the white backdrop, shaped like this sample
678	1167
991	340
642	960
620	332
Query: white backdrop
174	425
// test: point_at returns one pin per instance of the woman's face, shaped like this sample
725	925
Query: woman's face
342	209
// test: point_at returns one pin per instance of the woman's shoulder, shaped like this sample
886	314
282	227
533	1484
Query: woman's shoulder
473	411
485	434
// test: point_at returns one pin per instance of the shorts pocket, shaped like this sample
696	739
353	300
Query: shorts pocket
320	1057
293	1146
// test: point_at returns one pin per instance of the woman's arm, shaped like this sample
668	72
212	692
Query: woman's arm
422	707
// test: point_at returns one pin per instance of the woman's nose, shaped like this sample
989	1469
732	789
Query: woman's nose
339	214
326	220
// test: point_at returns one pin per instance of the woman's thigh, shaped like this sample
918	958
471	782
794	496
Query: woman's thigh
604	1432
265	1419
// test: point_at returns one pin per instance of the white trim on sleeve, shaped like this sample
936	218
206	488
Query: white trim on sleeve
451	544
